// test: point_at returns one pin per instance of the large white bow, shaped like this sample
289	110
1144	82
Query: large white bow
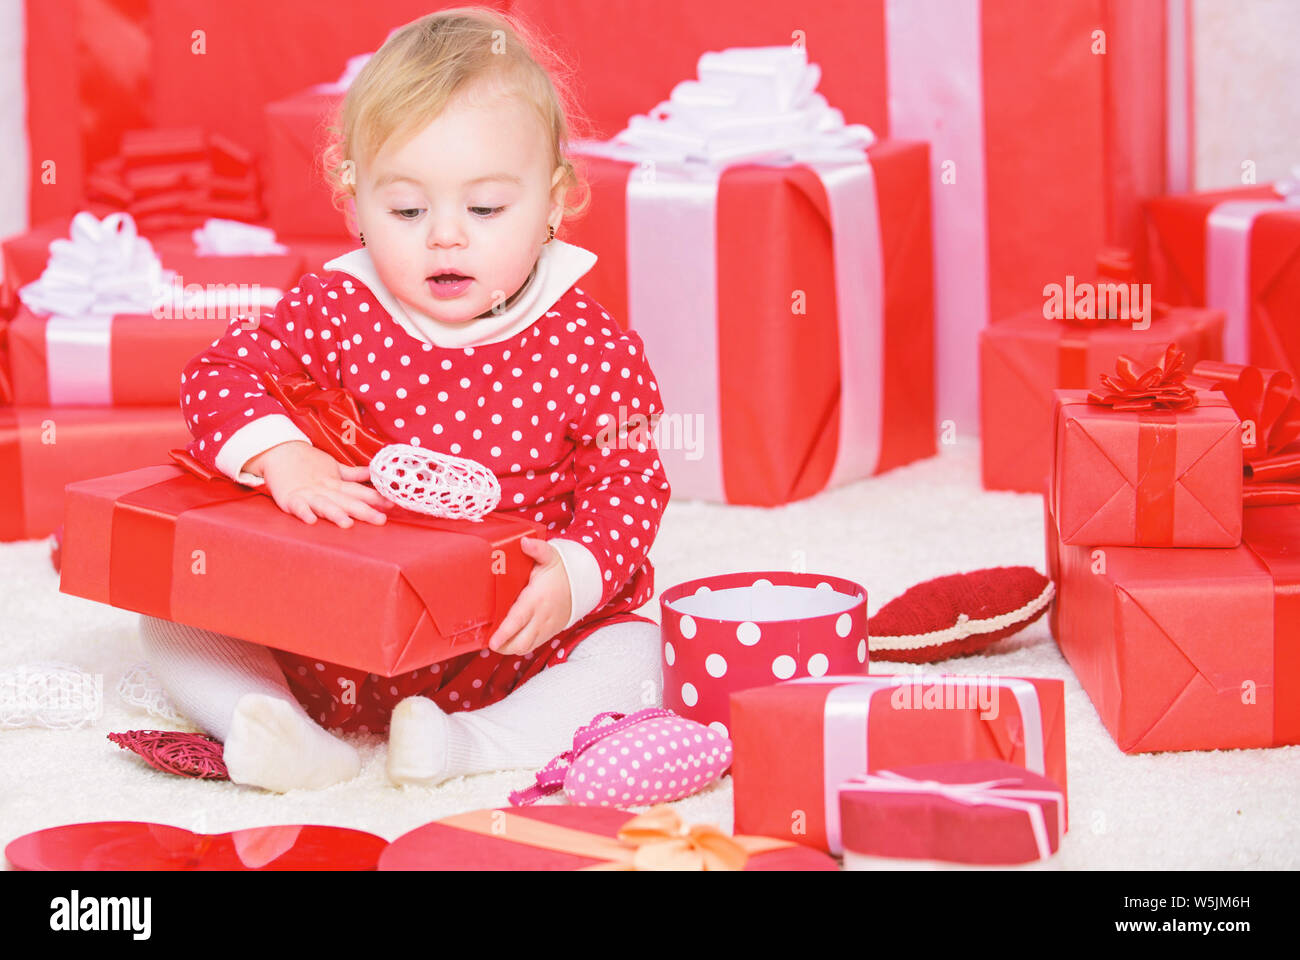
233	238
105	267
1289	187
750	104
346	77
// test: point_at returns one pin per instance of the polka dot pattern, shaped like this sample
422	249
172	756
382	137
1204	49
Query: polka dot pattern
543	437
709	653
655	761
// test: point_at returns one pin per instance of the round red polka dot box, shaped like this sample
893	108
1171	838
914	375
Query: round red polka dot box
734	631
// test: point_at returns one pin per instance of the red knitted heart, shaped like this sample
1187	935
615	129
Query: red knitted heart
958	615
184	754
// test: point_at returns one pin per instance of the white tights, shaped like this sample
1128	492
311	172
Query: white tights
236	692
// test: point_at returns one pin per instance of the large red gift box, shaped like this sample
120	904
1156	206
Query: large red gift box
796	742
764	404
1047	122
1024	358
386	598
584	838
298	199
1236	251
1187	649
42	449
1149	478
970	812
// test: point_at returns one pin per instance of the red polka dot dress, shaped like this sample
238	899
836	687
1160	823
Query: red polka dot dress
552	408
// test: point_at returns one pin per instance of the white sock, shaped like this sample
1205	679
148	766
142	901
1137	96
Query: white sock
235	691
617	668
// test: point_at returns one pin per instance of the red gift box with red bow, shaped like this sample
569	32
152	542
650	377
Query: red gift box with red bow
1147	461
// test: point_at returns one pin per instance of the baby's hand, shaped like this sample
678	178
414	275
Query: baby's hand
541	610
308	482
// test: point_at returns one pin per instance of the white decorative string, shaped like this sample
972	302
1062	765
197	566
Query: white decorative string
434	483
52	694
140	688
965	626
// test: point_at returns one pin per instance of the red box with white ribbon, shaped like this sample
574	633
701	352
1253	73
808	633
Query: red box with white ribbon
796	742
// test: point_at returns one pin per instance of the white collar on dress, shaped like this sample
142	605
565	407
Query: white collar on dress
559	266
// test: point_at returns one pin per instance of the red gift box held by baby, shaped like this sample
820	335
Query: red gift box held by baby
460	326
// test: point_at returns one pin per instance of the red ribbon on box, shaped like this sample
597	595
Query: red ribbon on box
1270	411
1154	393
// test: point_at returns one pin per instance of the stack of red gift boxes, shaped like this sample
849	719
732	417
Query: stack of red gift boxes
1173	521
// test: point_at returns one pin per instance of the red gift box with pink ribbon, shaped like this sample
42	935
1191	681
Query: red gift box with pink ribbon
733	631
1145	460
796	742
818	368
974	812
1237	251
1191	648
1024	359
110	318
43	449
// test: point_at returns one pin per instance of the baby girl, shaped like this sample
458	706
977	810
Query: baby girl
459	326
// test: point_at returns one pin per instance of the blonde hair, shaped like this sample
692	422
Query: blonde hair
425	64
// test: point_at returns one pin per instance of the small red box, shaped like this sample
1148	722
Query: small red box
796	742
387	598
1024	358
972	812
1159	478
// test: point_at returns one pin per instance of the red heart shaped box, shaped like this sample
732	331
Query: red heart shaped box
755	635
136	845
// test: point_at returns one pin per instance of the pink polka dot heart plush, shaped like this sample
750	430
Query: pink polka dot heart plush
651	756
727	633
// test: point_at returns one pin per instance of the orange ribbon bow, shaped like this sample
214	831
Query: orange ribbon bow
664	842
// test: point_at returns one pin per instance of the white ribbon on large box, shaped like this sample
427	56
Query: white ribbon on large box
750	105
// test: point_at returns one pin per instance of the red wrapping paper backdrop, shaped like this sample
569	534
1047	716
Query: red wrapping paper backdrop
87	442
298	198
779	381
1147	478
619	78
778	736
1187	649
1025	358
383	598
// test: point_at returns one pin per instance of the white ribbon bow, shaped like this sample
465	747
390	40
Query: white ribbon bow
750	104
990	792
233	238
104	268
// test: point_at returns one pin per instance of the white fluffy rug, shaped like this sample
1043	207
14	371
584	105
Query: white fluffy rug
1222	809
